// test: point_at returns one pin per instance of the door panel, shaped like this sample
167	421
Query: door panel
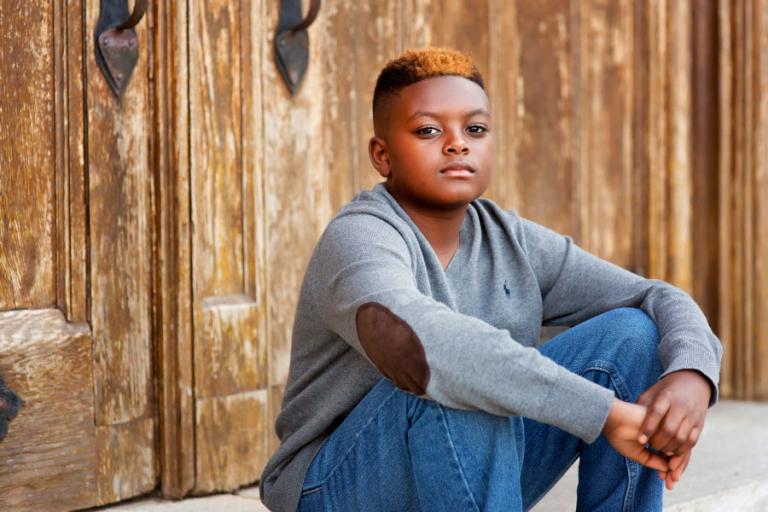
48	459
229	308
27	155
76	265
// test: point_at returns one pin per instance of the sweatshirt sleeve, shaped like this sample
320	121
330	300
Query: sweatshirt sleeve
364	287
577	285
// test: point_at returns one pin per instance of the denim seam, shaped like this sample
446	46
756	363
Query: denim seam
618	382
357	437
456	457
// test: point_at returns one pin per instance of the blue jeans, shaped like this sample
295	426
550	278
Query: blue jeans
398	452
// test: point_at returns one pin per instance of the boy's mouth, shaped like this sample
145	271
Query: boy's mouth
458	169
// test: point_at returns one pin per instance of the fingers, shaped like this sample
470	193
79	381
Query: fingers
653	461
666	435
678	438
653	417
693	438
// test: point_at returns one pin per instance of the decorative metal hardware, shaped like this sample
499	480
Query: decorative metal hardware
292	41
10	403
117	47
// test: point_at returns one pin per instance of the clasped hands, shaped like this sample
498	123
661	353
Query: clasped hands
668	418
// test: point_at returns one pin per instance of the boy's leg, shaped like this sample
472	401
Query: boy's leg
398	452
617	350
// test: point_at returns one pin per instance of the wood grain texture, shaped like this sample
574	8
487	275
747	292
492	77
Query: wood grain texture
669	143
228	250
230	354
120	206
760	200
604	120
126	460
704	164
71	271
360	38
502	85
173	311
216	173
744	171
121	225
231	440
297	197
546	96
48	459
27	156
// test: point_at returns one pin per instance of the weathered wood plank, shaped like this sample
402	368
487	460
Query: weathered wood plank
228	257
704	165
360	38
297	199
216	174
173	313
546	101
120	238
230	354
669	139
27	156
48	459
502	86
127	464
760	200
743	68
603	120
231	440
725	162
121	225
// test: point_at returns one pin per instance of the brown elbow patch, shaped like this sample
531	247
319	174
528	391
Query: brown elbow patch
393	347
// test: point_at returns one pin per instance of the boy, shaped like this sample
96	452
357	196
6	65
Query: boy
415	382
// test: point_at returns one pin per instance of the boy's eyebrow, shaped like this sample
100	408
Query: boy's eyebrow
433	114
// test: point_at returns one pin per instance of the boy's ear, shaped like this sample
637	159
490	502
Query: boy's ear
377	152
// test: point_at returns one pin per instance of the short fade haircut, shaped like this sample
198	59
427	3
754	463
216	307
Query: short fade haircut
417	64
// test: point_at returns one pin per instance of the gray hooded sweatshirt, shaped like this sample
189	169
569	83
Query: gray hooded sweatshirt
376	302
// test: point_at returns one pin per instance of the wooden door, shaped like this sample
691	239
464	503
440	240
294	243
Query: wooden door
76	264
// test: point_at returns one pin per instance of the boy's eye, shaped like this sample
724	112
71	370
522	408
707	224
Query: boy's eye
426	130
477	128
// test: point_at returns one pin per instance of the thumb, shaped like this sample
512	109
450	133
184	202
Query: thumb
644	399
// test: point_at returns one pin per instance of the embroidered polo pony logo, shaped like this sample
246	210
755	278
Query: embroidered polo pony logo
507	290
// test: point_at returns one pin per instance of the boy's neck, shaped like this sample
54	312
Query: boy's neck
440	227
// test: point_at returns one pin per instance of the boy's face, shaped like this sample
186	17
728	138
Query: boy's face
430	127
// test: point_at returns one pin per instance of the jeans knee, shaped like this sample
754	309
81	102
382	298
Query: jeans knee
635	323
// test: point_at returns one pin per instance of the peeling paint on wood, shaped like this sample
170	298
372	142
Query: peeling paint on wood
231	440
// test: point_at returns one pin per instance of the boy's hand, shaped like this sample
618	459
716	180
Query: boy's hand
621	430
677	406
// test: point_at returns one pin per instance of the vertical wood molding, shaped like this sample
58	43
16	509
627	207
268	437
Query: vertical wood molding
668	157
71	199
173	291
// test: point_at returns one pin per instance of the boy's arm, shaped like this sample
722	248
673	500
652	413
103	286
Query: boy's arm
577	285
364	288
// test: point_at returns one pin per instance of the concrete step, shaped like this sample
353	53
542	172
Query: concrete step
728	472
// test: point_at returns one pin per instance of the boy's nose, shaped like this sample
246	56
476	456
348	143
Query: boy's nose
456	147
